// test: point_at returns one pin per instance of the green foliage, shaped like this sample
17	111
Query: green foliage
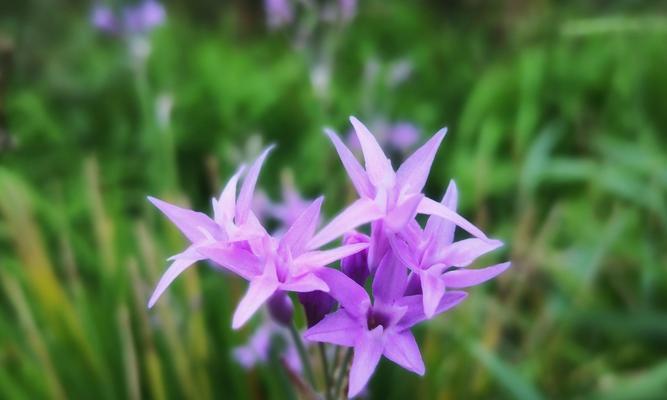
557	140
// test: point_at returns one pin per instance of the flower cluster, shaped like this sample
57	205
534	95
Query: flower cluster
415	271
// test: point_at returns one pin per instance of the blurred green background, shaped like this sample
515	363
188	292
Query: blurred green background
557	116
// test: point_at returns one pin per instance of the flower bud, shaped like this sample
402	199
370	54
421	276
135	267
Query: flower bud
280	308
356	265
316	305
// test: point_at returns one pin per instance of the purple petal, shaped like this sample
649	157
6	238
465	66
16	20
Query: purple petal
354	170
367	352
431	207
349	294
464	252
175	269
378	166
339	328
440	229
433	288
322	258
415	313
225	207
414	171
259	291
398	217
247	189
239	261
356	214
403	350
462	278
379	245
302	229
191	223
390	279
305	283
356	265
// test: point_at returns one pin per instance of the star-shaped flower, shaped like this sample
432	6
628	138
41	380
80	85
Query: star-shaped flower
394	197
431	252
377	328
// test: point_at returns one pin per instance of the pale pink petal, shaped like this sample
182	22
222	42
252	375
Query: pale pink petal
398	217
390	279
358	213
191	223
322	258
464	252
354	170
302	229
305	283
378	166
404	351
233	258
244	202
414	171
367	352
462	278
339	328
433	288
347	292
431	207
225	207
259	291
175	269
440	229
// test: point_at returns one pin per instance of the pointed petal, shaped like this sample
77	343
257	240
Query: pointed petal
464	252
463	278
404	213
433	288
225	207
303	228
323	258
187	221
354	170
441	229
347	292
258	292
239	261
415	313
367	352
356	214
390	279
244	202
404	351
175	269
305	283
431	207
413	173
339	328
378	166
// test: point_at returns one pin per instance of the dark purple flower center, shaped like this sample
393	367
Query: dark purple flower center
376	318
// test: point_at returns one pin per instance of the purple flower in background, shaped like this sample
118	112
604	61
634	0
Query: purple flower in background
291	207
258	349
136	19
348	9
394	197
403	135
278	13
431	252
377	328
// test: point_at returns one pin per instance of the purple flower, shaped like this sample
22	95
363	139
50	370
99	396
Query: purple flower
431	252
280	308
104	19
403	135
316	305
259	346
377	328
291	207
137	19
356	265
278	13
393	197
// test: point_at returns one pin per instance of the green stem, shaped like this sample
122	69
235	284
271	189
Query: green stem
303	355
341	374
325	369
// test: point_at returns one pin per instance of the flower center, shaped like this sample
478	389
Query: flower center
376	318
